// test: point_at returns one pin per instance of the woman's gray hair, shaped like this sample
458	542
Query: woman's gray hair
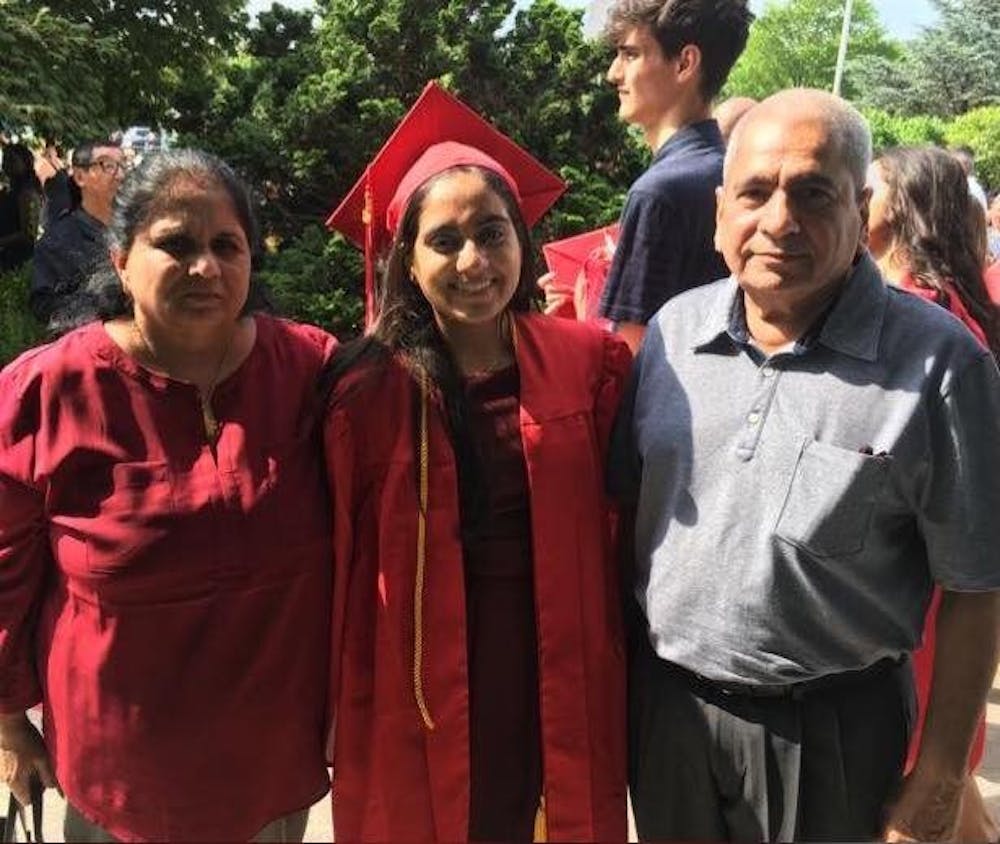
149	188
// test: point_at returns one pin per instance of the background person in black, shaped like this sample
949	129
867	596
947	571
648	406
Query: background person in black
61	193
73	249
19	207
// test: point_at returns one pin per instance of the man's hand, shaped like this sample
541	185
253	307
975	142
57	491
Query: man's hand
632	333
965	661
23	756
927	809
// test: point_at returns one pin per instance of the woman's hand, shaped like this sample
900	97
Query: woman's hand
47	164
23	756
556	299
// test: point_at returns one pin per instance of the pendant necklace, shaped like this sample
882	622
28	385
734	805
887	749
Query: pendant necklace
210	422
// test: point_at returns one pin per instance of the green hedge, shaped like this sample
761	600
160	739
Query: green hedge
980	130
890	130
18	329
317	278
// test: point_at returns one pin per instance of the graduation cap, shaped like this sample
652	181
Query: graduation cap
439	132
566	257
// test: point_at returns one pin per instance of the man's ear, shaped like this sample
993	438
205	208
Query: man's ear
720	201
864	208
688	62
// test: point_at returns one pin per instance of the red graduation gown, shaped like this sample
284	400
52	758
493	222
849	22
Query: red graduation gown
393	778
923	657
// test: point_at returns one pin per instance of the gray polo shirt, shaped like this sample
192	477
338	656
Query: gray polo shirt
793	511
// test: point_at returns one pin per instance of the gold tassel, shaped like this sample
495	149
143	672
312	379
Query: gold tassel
418	588
541	824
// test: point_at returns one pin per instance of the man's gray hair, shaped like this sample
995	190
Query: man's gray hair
847	127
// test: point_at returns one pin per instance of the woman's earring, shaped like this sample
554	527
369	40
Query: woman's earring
126	293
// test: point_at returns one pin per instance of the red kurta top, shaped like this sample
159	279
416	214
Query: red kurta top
169	606
393	778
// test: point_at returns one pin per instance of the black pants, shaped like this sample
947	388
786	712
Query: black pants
711	764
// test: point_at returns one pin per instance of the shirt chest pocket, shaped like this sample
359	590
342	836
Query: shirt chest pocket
831	498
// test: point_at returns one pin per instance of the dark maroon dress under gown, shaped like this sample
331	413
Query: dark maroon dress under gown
505	742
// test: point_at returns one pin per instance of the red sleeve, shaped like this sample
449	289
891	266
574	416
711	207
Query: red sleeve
615	367
339	451
24	548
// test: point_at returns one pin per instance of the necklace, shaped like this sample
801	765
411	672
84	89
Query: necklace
209	420
496	364
506	355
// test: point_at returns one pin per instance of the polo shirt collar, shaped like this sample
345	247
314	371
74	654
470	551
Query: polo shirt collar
703	134
724	318
852	326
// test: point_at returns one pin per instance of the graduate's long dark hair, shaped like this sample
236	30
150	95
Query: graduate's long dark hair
406	329
938	229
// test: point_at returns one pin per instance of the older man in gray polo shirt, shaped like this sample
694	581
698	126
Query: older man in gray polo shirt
808	452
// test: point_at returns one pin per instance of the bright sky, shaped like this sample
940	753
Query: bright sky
903	18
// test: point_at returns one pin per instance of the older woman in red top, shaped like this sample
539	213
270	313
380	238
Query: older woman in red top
478	687
928	236
164	537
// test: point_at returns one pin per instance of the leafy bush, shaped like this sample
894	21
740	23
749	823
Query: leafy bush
317	279
18	328
980	130
890	130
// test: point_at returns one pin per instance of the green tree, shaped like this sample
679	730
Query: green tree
794	44
947	70
246	112
892	130
18	329
979	129
46	82
154	49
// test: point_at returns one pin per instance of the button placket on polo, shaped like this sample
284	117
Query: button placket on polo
756	413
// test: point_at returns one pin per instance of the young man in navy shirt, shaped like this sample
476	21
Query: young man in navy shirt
672	58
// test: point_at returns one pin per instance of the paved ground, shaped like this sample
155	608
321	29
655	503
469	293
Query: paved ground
320	828
989	772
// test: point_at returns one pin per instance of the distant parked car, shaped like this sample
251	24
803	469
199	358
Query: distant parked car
141	139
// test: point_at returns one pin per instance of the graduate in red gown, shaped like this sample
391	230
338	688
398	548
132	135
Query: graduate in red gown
928	237
478	680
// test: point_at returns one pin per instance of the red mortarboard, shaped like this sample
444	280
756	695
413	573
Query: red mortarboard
439	132
568	256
